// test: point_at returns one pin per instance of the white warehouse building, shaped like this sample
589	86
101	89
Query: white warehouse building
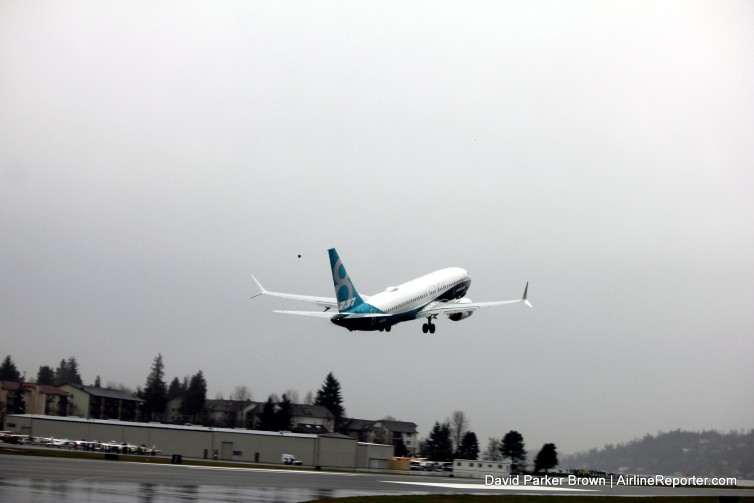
325	450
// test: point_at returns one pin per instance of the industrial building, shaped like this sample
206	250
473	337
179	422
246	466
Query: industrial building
327	450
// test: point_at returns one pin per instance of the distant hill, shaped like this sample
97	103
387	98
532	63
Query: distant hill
706	453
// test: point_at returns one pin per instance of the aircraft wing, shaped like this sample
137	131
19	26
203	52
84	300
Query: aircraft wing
458	307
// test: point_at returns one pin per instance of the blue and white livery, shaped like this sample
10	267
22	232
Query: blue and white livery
439	292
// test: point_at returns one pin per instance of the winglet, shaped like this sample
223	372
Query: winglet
525	298
261	288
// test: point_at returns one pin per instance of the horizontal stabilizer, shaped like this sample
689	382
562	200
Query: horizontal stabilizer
328	302
326	314
316	314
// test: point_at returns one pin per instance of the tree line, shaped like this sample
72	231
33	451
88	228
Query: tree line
447	440
452	439
67	371
191	393
704	453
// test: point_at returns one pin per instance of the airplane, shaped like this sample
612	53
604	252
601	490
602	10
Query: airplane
436	293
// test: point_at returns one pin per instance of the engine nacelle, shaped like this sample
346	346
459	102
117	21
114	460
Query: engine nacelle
463	315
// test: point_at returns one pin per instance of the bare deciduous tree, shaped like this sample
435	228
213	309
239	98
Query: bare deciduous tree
241	393
493	450
459	424
292	395
309	398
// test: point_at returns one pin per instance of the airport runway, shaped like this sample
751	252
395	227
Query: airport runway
41	480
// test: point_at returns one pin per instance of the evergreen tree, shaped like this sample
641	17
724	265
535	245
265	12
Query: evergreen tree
196	397
512	447
63	406
68	372
469	446
399	448
546	459
16	401
268	417
185	386
61	373
73	371
45	375
97	382
8	370
284	414
329	396
155	394
438	446
176	389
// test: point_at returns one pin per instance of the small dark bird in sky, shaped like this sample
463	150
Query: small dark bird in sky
299	256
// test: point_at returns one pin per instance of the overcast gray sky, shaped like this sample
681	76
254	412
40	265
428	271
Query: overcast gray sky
153	154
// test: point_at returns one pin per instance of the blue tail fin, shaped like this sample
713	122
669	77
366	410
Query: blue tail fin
347	296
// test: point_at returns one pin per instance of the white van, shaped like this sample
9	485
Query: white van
290	459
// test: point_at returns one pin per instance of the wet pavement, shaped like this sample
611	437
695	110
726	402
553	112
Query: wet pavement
64	491
31	479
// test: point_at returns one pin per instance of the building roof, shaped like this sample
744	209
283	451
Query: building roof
45	389
52	390
306	410
359	424
226	405
398	426
316	429
338	435
163	426
13	385
116	394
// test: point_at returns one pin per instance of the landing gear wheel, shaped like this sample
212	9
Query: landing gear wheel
387	329
431	329
425	328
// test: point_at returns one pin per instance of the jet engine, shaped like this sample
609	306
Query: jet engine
463	315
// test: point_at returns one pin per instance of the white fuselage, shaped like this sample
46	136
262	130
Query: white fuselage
445	284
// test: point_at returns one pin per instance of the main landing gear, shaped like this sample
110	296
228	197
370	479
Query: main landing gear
428	327
386	329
